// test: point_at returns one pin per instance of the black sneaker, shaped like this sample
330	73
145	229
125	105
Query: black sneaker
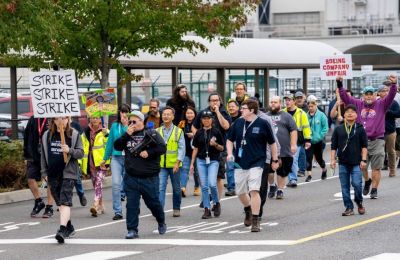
39	205
272	191
367	186
201	205
132	234
117	217
323	175
83	200
61	235
48	211
308	179
279	194
162	228
70	230
217	210
374	193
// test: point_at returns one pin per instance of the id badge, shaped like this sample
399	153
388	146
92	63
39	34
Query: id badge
240	152
123	152
208	161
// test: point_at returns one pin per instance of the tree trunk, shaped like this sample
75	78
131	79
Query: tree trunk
105	67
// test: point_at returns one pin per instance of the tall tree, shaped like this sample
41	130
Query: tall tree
90	35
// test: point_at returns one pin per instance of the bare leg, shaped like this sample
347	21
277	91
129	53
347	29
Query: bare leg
65	215
34	188
376	178
245	200
220	187
255	202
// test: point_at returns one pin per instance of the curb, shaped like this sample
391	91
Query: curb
24	195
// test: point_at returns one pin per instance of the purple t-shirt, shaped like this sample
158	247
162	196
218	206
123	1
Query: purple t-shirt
372	117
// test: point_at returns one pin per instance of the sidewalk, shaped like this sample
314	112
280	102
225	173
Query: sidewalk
23	195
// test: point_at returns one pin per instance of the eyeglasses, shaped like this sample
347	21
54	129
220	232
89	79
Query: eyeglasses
132	122
243	108
214	100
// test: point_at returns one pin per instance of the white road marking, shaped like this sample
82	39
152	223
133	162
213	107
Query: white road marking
248	255
101	255
8	223
338	195
385	256
16	226
175	242
1	251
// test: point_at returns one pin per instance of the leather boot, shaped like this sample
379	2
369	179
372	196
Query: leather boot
207	214
255	225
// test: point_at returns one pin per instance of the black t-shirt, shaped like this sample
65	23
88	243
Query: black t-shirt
201	140
56	162
188	145
292	112
257	135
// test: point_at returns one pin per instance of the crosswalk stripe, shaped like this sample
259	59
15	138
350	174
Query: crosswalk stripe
175	242
101	255
248	255
385	256
1	251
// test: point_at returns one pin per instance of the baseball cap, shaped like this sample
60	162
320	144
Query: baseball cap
290	96
312	98
298	94
350	106
206	113
369	89
137	114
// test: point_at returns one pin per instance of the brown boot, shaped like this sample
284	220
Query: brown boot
94	209
247	219
255	224
207	214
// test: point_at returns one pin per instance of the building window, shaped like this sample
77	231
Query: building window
297	18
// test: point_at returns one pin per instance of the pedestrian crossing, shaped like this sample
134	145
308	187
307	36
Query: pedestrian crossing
248	255
101	255
385	256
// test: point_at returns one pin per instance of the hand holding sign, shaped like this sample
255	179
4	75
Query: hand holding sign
393	79
61	123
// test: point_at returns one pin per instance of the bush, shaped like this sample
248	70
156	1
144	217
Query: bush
12	166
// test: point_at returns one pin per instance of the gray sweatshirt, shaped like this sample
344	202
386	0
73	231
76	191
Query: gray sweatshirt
278	146
75	153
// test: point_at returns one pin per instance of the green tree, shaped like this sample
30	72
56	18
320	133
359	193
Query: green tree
90	35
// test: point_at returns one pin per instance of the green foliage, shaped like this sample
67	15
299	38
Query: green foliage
12	166
90	35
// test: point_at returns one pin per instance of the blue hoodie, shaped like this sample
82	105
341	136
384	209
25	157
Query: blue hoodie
116	131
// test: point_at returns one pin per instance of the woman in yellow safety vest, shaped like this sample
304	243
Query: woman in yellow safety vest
94	140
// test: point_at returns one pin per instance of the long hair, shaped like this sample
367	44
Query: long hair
176	98
184	121
53	128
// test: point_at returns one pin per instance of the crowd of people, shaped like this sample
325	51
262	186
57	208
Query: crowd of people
259	151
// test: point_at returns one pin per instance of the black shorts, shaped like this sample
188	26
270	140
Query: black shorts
286	166
33	170
222	166
62	190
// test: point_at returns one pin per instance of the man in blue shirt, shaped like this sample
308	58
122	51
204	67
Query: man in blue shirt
250	136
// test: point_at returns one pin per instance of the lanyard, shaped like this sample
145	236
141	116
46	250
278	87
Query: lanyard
207	139
41	127
348	129
243	142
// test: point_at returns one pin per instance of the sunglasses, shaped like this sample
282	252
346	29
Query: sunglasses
131	122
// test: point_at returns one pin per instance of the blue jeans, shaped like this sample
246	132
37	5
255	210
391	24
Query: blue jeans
148	189
118	173
351	173
208	180
230	176
295	166
185	173
302	162
78	185
176	187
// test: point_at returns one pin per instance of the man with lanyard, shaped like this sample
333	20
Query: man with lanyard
222	122
371	114
32	151
250	134
171	161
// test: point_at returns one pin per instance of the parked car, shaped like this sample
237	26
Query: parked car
6	128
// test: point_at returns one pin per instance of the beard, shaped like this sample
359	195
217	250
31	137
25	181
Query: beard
275	110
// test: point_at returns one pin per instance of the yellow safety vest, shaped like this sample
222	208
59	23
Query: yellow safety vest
98	150
170	157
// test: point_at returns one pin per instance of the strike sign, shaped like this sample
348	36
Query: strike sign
54	94
336	66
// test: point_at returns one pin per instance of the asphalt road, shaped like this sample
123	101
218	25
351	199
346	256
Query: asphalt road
307	224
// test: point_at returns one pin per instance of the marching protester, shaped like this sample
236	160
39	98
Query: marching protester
186	126
143	148
171	161
179	102
208	143
117	158
94	140
250	135
240	92
153	117
222	121
349	145
371	114
390	130
303	137
334	107
285	129
61	175
319	128
33	133
234	112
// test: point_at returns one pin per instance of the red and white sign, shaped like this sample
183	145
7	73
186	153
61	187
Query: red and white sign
336	66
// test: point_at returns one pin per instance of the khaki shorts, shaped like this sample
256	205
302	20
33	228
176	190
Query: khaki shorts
376	154
248	180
